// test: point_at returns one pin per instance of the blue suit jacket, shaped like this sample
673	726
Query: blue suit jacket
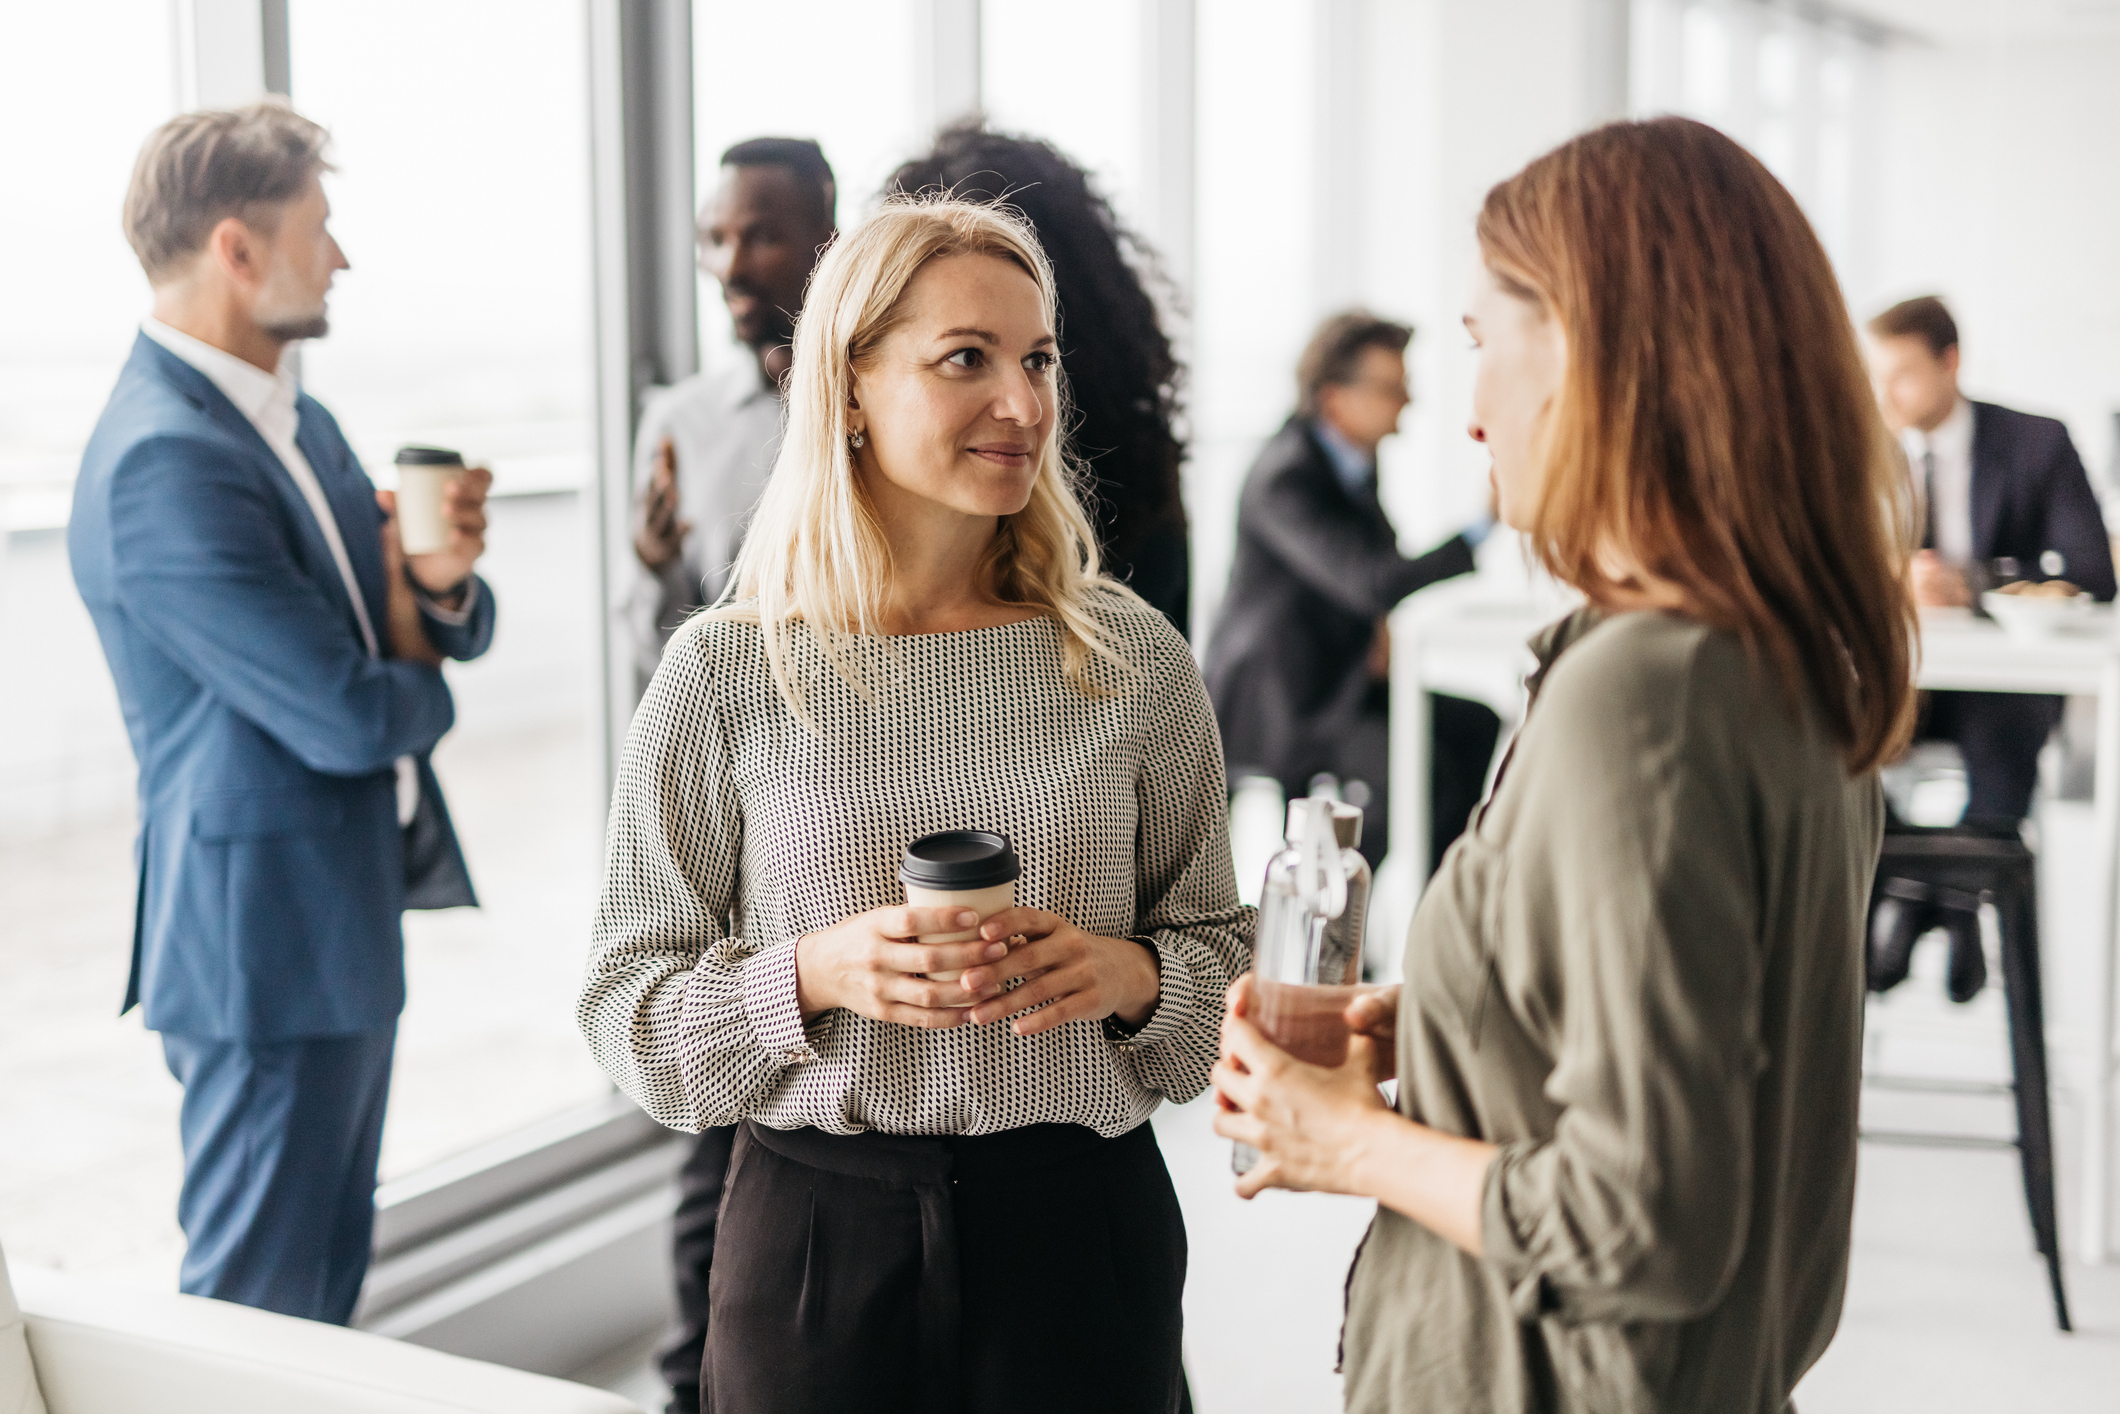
272	866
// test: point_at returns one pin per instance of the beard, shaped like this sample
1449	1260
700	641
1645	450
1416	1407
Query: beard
313	326
769	324
288	312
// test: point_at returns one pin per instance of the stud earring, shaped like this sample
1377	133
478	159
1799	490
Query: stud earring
856	441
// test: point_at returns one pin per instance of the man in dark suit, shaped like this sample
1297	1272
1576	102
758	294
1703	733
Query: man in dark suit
1298	666
277	658
2002	495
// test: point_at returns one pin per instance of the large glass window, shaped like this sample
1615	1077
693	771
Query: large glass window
88	1113
1036	65
1253	304
462	201
840	71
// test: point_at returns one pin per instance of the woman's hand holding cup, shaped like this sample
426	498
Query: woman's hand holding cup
873	965
1085	976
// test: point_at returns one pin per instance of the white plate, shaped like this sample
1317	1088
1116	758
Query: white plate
2024	617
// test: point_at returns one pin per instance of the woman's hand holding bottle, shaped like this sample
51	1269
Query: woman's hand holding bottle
1375	1013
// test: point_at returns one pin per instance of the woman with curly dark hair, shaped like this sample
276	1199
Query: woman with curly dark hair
1123	377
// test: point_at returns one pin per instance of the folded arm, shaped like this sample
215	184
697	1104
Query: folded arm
204	567
2075	525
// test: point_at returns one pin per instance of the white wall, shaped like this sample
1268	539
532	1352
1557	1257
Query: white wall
1999	189
1448	98
1492	85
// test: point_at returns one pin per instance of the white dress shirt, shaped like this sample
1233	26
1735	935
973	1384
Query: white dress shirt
1950	445
267	400
724	425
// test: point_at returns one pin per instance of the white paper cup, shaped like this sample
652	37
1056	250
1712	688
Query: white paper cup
972	869
423	473
984	902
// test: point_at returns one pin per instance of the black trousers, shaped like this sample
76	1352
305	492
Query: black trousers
2000	734
699	1188
1035	1270
1462	735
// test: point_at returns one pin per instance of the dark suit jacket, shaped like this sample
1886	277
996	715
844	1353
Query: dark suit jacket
1315	568
2031	495
272	866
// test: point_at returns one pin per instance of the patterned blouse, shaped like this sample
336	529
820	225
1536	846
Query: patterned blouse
735	830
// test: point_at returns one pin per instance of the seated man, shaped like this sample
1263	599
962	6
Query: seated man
2001	494
1298	666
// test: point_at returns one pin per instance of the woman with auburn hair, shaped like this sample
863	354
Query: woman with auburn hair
944	1191
1622	1168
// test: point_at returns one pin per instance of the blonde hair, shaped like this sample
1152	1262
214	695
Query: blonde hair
199	168
815	551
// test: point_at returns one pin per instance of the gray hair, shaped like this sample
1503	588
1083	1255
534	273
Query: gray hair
200	168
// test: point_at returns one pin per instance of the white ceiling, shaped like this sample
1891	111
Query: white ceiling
1974	21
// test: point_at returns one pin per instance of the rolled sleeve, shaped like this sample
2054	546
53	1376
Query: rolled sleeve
1175	994
1185	886
773	1006
1635	1207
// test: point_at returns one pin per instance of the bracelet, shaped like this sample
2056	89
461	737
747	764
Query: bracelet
1117	1030
437	597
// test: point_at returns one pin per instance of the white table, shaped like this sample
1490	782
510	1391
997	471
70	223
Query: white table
1957	652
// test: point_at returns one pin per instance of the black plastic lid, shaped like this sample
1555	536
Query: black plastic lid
959	861
428	456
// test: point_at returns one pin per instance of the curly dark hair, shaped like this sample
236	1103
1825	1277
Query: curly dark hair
1124	378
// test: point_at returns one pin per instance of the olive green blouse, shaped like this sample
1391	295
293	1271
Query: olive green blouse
1640	974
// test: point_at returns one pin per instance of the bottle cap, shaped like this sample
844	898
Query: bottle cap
1346	821
1314	835
958	861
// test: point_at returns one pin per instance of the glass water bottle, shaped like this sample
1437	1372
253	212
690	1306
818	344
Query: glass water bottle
1307	958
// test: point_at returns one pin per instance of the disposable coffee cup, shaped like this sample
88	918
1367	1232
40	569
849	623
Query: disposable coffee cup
973	869
423	472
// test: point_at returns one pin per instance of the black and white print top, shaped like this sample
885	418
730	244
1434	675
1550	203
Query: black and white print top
735	830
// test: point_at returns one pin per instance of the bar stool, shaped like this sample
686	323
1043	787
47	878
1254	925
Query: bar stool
1995	866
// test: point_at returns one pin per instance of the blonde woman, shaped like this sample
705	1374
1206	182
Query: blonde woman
944	1194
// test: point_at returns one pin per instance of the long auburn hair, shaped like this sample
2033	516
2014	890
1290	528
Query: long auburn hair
815	551
1714	446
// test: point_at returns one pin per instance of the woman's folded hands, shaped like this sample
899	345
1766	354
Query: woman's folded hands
874	965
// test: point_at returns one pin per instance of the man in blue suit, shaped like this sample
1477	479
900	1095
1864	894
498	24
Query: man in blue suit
278	661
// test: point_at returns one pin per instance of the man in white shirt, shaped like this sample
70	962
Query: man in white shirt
2002	495
706	446
702	455
277	659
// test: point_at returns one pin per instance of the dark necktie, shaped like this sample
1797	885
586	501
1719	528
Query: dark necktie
1928	500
